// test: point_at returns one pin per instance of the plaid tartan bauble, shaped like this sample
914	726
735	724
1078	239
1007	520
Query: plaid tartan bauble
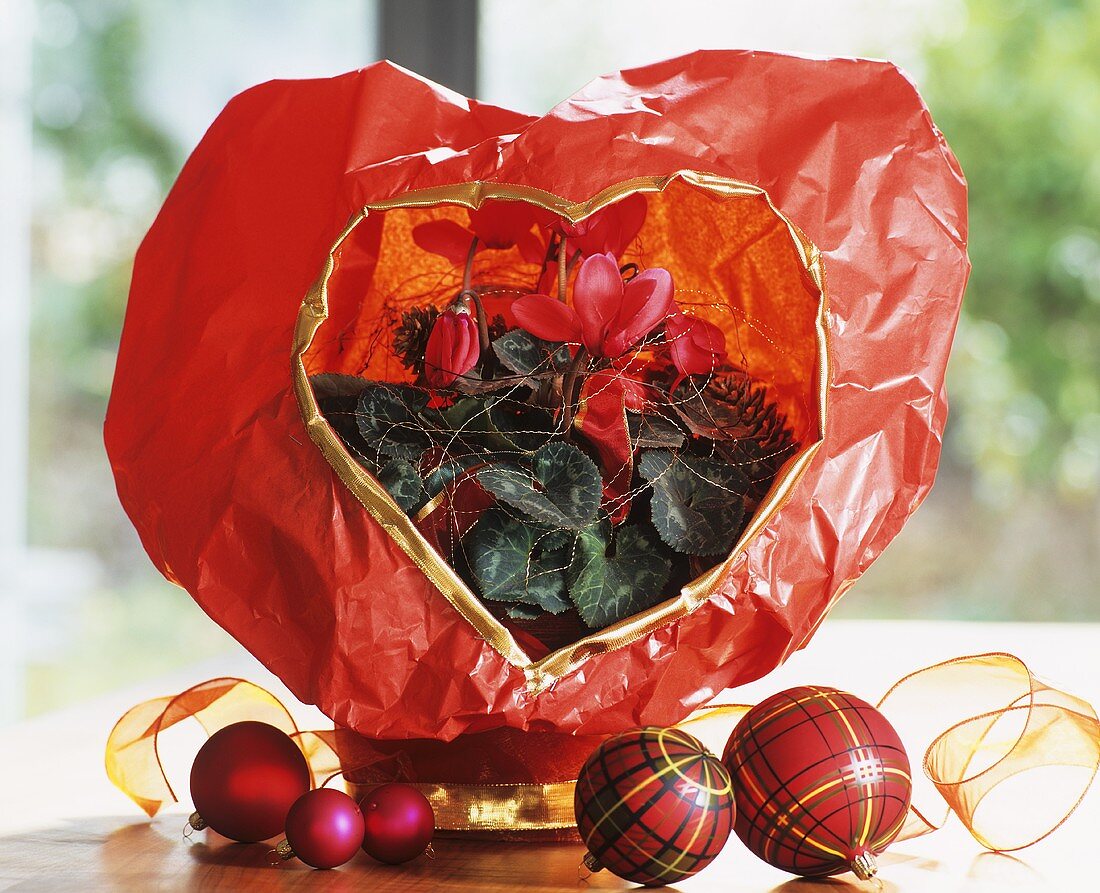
653	806
821	781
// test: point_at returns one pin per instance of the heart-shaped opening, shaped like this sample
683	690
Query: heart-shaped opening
576	470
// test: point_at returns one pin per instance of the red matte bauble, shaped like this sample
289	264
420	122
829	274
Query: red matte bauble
245	778
653	806
821	780
399	823
324	828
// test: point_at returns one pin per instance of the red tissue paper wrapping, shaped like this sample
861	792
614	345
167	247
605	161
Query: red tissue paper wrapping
234	502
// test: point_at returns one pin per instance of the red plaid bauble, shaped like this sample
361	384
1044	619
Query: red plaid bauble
653	805
821	781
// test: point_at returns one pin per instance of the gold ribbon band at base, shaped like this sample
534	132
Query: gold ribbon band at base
502	807
497	807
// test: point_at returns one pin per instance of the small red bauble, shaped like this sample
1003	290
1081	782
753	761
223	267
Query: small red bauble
324	828
245	779
821	780
653	806
399	823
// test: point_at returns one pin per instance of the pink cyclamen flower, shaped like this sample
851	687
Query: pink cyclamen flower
452	348
609	230
608	316
697	346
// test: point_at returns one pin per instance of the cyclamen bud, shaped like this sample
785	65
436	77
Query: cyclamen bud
452	348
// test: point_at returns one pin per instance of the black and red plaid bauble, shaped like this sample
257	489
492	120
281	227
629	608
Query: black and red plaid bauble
653	806
821	781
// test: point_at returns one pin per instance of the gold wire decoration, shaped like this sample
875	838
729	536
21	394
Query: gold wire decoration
542	673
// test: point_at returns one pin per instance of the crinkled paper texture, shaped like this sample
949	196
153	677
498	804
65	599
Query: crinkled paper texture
233	501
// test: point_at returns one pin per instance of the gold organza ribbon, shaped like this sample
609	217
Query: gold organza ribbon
1009	754
133	759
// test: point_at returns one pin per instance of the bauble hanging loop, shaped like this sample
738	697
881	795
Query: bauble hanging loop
865	865
195	822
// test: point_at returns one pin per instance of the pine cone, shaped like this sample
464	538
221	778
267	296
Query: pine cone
762	441
411	337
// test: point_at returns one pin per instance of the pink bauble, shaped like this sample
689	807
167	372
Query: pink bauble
245	778
324	828
399	823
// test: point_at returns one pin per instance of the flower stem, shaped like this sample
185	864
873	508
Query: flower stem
551	247
569	385
482	321
469	293
468	272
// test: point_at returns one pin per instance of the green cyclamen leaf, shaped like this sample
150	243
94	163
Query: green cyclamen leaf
652	430
523	612
467	414
608	585
525	354
498	423
395	419
338	400
511	563
448	471
328	385
520	424
697	504
404	484
559	488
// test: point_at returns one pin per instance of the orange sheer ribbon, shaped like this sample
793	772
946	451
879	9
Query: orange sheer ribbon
993	735
133	760
1011	755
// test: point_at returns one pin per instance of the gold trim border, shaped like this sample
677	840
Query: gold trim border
542	674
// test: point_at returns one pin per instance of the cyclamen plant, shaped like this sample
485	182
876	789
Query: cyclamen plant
590	449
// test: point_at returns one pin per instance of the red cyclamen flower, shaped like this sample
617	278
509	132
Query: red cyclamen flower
697	346
609	230
496	224
452	348
608	316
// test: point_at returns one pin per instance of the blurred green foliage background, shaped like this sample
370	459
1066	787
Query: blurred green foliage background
1012	530
1018	96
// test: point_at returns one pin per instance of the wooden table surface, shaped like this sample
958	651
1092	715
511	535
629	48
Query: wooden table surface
63	827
